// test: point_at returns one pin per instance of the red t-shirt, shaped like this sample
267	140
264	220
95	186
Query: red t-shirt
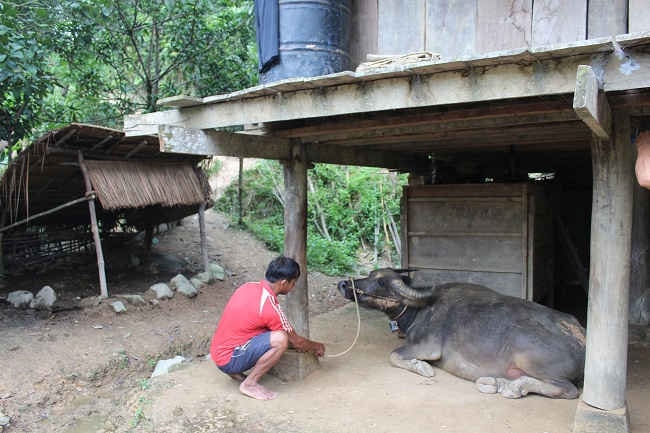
252	310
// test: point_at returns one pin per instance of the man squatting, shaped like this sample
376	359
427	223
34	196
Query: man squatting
253	331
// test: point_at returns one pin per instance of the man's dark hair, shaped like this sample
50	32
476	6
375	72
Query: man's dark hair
282	268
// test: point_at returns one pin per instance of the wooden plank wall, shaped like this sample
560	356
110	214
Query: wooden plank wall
363	34
606	18
401	29
458	28
452	26
503	24
638	16
557	22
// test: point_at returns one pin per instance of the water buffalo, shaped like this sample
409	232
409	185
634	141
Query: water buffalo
504	344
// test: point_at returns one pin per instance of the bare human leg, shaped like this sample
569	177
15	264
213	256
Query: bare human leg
250	386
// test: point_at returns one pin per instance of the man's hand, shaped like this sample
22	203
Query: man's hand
318	349
302	344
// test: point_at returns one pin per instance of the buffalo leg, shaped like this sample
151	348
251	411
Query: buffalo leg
523	385
403	357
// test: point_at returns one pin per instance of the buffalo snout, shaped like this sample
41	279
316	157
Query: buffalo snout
345	287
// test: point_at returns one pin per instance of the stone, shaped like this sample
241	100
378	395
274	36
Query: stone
216	272
162	291
165	366
44	299
90	301
203	276
118	307
197	283
294	366
589	419
132	299
4	420
183	285
20	298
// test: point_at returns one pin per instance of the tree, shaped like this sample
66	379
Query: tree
24	78
133	52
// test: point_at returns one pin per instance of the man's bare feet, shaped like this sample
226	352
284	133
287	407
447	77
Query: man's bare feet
239	377
257	391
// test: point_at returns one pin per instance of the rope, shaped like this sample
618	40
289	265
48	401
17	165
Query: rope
356	304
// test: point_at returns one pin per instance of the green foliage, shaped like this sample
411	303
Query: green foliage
94	61
24	78
350	209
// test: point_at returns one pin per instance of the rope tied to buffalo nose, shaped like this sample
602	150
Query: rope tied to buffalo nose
356	337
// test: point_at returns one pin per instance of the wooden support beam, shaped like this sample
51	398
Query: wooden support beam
295	235
136	149
63	139
463	84
590	103
209	142
179	101
90	196
203	237
609	277
105	140
523	75
176	139
103	289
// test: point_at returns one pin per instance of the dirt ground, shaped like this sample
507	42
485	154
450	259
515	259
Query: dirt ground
88	370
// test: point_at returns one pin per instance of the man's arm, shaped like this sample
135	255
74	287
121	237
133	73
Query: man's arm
302	344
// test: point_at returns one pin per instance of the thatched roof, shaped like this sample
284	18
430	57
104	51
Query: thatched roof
129	175
130	184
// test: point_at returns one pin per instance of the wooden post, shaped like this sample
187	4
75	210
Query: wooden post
3	220
204	240
294	365
609	277
295	235
240	193
148	239
95	229
640	246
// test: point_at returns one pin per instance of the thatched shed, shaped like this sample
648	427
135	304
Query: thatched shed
82	181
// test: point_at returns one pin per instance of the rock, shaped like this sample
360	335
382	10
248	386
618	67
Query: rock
216	272
162	291
20	298
90	301
204	277
165	366
197	283
44	299
183	285
4	420
118	307
132	299
168	263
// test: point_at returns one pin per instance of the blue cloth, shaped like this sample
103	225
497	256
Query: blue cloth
267	25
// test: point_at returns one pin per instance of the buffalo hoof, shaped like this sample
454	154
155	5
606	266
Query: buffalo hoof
422	368
487	385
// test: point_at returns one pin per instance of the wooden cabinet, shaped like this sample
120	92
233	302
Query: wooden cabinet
497	235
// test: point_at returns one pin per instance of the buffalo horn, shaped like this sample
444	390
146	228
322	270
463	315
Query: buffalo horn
410	294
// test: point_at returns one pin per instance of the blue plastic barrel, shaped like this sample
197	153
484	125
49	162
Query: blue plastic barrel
314	39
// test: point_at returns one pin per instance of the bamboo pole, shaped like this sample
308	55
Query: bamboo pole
240	193
94	228
47	212
3	218
204	240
